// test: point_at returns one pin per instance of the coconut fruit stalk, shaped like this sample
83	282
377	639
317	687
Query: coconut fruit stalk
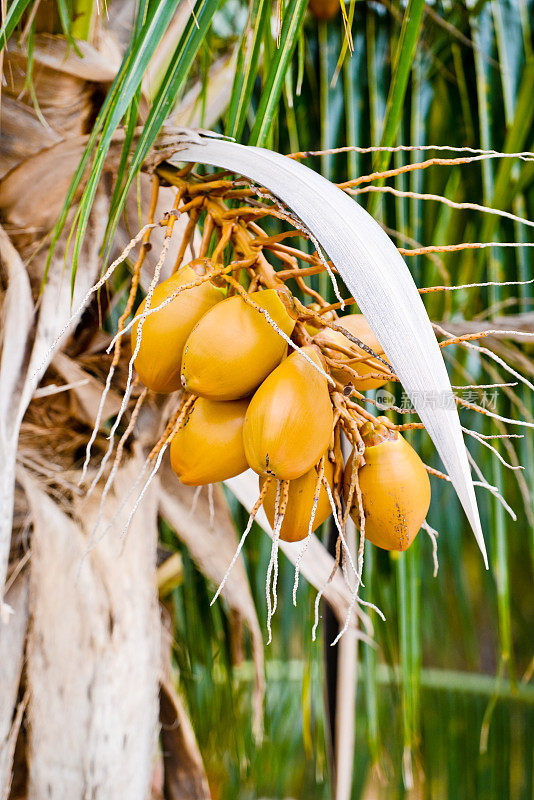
233	347
360	328
289	421
165	332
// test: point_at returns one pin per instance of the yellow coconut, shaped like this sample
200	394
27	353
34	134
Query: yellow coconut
312	327
165	332
233	347
209	447
289	421
359	327
395	491
296	523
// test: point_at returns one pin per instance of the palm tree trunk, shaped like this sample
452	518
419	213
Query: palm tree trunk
88	664
93	650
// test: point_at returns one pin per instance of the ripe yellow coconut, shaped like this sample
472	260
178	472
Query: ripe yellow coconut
296	523
359	327
289	421
209	447
165	332
233	347
395	490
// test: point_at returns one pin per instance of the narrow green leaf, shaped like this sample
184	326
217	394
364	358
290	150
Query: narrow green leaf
247	68
403	599
352	68
83	12
122	89
324	103
291	119
409	36
141	53
370	670
413	559
122	170
376	81
66	22
205	70
14	13
418	134
402	65
324	115
292	24
129	130
301	60
516	139
492	190
172	83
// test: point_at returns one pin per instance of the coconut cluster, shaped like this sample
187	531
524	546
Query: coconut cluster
258	392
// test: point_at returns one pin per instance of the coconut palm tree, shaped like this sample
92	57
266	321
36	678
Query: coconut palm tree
103	634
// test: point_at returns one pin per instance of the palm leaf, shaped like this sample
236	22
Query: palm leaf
247	68
12	19
165	98
118	100
292	23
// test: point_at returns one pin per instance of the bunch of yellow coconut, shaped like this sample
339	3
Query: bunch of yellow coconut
254	401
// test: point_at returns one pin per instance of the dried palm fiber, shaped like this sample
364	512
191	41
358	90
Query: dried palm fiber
108	641
26	341
29	158
12	650
14	148
62	83
47	159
